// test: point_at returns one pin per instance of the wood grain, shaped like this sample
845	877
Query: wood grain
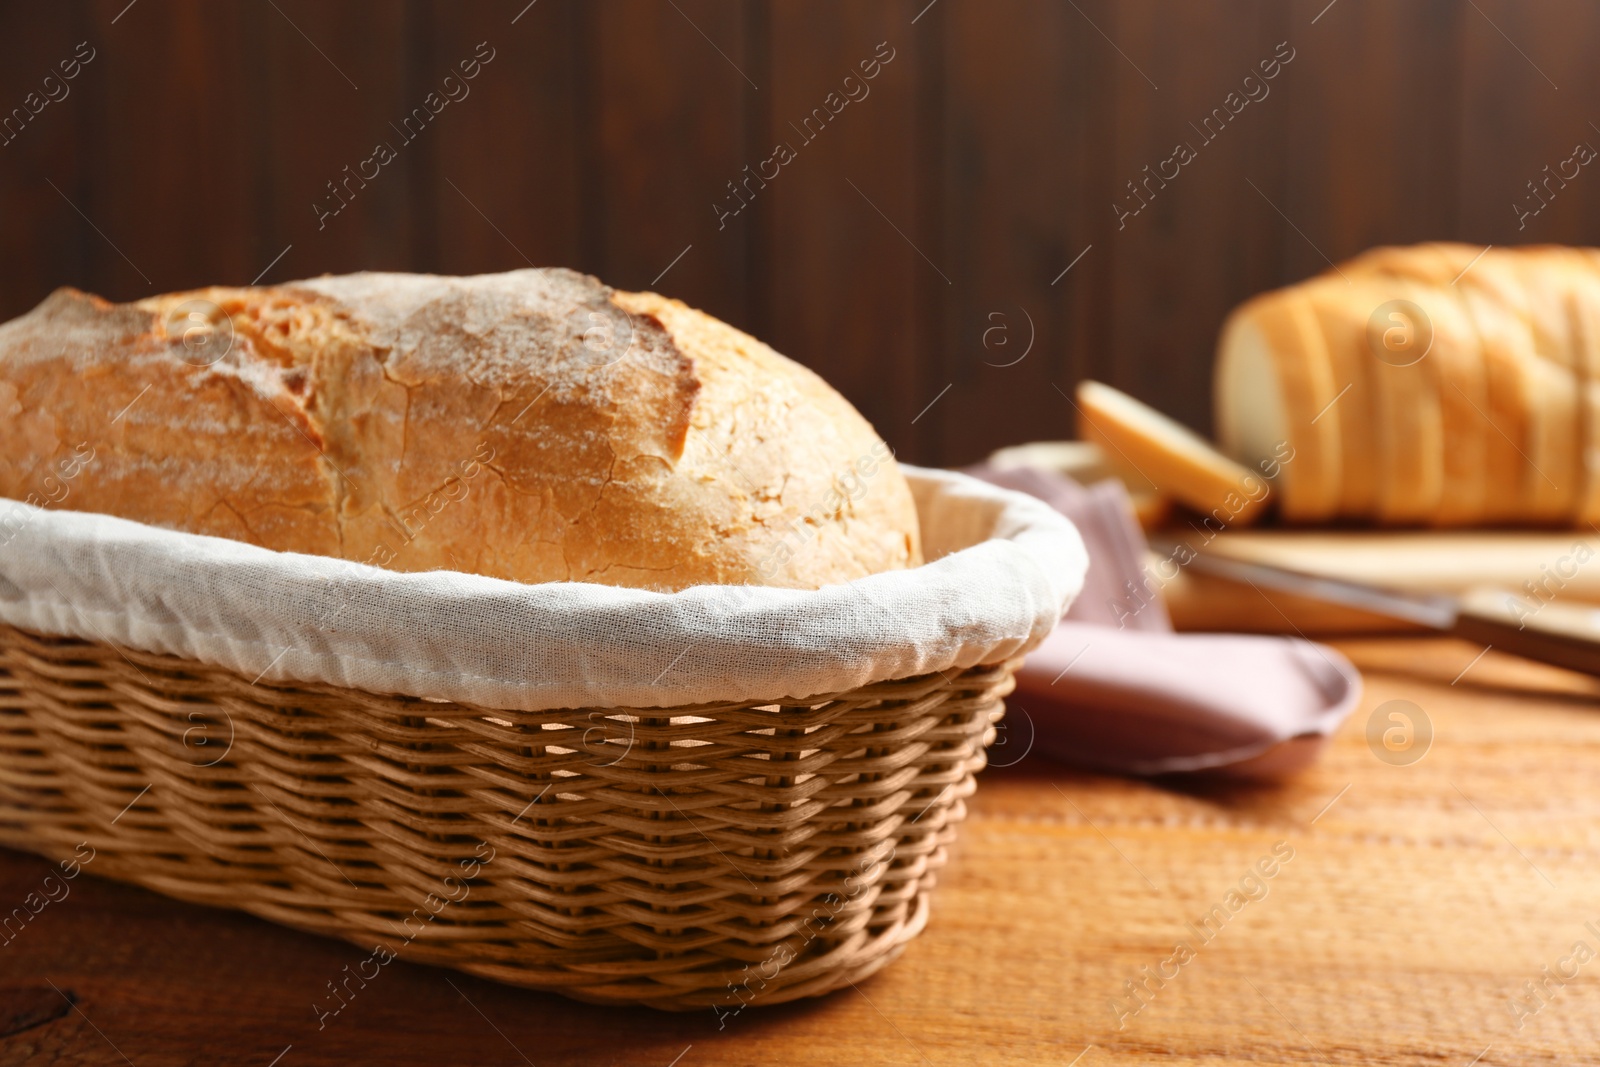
1518	129
1013	217
1218	208
335	86
1418	901
520	104
1365	99
821	210
42	240
666	145
166	224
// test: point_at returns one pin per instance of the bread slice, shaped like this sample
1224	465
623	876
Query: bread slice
1462	382
1273	387
1506	421
1583	306
1558	287
1344	335
1534	334
1172	457
1459	371
1496	428
1454	373
1410	415
1460	379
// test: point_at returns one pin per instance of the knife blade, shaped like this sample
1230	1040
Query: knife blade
1559	634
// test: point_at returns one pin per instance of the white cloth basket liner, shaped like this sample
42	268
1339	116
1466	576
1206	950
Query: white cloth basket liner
1002	569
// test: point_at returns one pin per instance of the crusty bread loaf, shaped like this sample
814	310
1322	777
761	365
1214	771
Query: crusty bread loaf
534	425
1492	417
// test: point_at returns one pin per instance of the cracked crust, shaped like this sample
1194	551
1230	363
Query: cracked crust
535	425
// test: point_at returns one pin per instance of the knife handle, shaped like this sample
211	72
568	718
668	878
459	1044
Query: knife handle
1566	635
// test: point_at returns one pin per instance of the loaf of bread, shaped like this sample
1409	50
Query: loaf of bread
1439	384
535	425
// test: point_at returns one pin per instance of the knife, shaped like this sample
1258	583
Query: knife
1565	635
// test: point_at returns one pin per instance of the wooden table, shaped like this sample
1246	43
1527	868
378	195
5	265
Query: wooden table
1417	902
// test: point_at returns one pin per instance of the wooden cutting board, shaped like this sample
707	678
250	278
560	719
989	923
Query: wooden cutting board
1538	566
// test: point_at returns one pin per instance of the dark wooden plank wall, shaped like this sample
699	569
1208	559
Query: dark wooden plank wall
911	249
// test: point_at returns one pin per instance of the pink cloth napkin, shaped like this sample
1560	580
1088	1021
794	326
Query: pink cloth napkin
1114	688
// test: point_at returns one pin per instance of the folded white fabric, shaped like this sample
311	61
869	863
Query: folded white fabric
1003	568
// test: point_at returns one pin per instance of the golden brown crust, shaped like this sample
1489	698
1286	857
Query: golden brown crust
535	425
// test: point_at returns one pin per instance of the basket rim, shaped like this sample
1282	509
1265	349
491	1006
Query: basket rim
1003	568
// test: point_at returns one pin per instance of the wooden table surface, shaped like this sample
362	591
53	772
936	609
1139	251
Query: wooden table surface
1416	904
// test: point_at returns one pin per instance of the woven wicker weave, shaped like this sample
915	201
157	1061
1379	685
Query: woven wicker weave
717	854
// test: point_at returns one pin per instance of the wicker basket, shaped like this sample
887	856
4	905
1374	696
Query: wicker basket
717	854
